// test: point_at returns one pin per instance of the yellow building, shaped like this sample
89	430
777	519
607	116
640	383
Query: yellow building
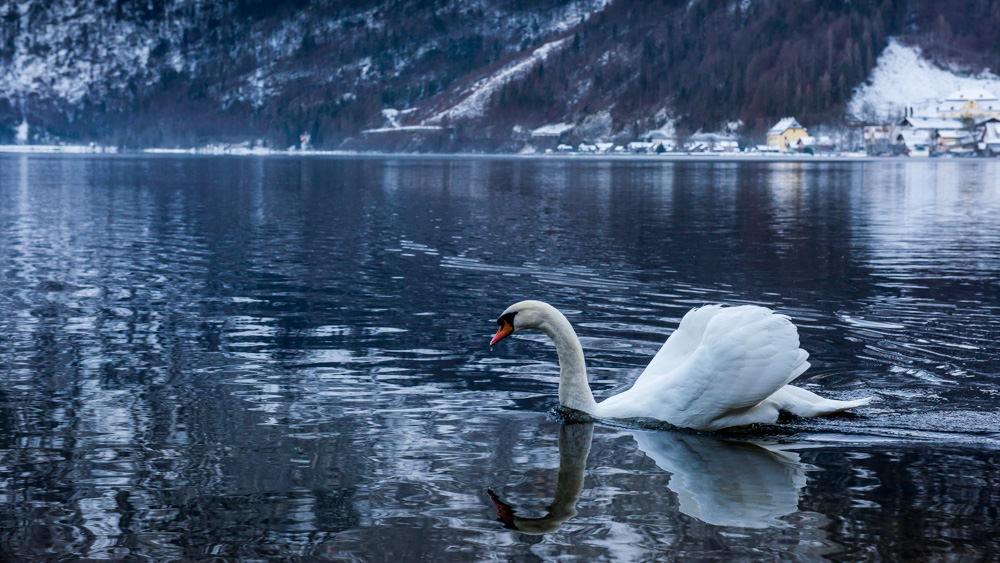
972	103
786	134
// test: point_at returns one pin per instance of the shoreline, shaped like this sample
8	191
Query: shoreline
662	157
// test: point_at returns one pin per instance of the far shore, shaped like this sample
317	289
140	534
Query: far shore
626	157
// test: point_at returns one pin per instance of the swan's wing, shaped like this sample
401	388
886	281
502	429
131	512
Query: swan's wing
682	343
744	355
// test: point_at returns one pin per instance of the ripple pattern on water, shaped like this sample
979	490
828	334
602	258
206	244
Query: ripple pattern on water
280	358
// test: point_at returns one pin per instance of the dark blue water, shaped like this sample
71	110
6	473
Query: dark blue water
284	358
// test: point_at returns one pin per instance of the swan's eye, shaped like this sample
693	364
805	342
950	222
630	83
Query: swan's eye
508	319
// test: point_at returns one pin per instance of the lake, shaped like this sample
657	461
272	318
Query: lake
287	358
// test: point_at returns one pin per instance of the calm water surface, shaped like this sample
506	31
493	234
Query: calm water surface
287	359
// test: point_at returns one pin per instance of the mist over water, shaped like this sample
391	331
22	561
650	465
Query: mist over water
280	357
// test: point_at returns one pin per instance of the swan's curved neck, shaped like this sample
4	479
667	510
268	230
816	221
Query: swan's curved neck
574	391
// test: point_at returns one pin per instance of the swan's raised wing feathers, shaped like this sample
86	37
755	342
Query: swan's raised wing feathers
682	343
743	355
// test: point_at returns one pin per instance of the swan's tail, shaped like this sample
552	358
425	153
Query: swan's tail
800	402
801	365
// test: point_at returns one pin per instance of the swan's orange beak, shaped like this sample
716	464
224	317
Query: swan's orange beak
506	328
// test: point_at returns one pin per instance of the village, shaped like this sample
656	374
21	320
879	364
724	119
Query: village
965	123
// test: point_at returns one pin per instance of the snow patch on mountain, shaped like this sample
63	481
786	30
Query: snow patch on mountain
477	98
903	79
474	104
21	133
576	13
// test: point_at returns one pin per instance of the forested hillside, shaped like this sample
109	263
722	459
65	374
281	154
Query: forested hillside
710	62
185	73
713	62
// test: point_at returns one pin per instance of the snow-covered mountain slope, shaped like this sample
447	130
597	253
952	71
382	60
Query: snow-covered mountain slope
904	79
461	74
135	68
473	103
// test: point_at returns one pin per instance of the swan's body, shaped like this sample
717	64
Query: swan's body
722	367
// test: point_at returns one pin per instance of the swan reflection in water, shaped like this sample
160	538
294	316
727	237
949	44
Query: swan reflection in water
724	482
574	446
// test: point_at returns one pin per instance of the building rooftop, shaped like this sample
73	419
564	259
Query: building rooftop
931	123
784	125
553	130
967	94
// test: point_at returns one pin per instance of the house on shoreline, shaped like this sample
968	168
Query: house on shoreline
923	136
919	136
785	134
967	123
551	136
972	103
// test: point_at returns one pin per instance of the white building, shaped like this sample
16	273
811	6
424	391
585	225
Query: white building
554	131
971	103
659	136
714	142
640	147
549	136
919	136
990	145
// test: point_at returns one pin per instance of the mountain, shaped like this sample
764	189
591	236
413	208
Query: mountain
451	75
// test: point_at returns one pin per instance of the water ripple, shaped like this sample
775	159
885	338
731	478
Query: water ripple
288	358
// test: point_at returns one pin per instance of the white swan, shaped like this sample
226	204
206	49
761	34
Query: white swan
722	367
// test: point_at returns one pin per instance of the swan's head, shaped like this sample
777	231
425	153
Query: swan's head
519	316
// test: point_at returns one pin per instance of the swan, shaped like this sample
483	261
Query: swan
722	367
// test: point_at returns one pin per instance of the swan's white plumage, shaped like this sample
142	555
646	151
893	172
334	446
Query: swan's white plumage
722	367
716	365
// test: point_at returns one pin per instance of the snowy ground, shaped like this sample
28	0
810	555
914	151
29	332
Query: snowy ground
474	104
49	149
904	79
